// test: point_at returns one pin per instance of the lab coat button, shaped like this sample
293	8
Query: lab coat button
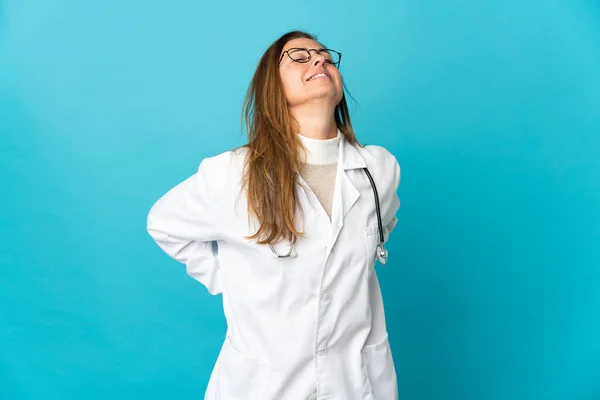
322	352
326	297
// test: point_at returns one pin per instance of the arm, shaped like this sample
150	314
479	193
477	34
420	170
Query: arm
184	224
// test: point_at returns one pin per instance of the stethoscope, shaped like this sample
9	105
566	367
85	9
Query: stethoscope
382	253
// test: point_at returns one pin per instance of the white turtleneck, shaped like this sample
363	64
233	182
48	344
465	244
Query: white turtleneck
320	166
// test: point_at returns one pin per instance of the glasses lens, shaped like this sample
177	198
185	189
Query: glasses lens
299	55
303	55
331	56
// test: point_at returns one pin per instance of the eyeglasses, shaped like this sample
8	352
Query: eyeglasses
303	55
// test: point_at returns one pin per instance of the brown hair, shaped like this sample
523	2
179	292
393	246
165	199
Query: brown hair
273	163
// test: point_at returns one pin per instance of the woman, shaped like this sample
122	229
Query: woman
286	229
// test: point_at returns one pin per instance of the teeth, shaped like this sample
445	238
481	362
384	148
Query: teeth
316	76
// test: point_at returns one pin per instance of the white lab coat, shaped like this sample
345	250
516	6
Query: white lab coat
310	327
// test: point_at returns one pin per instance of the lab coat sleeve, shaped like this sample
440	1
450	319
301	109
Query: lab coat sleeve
390	218
183	222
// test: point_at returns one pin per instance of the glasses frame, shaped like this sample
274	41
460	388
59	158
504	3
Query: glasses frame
337	65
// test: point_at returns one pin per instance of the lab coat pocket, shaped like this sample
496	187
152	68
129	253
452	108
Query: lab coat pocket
242	377
380	370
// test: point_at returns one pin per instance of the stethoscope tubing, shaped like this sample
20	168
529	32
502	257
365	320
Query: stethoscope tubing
381	251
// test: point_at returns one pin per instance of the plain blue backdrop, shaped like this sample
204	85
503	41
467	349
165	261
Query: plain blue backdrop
491	107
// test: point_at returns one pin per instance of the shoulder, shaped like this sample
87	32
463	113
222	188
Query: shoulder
223	172
385	170
223	168
381	162
225	161
377	155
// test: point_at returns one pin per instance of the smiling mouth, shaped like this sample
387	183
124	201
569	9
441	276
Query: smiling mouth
317	76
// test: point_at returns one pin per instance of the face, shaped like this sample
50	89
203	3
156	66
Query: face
314	80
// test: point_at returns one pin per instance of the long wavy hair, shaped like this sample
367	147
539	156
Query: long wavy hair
273	158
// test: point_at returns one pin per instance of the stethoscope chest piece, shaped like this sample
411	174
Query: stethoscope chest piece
382	254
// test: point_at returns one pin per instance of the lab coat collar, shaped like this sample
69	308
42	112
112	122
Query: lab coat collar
349	155
345	193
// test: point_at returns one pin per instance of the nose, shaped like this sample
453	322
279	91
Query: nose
318	59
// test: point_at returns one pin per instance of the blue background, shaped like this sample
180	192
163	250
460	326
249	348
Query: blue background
492	109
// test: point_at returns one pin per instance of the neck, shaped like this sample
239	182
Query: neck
320	152
315	121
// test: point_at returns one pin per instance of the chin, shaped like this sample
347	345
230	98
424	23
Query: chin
326	93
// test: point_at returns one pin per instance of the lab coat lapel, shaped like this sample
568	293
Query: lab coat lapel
345	193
